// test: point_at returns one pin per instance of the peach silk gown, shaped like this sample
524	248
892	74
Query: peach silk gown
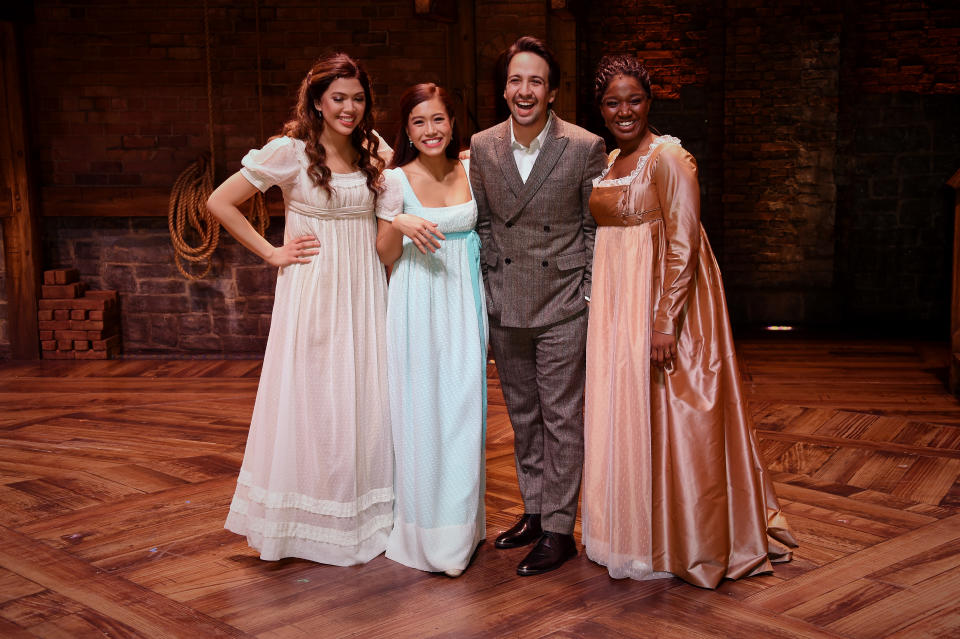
673	481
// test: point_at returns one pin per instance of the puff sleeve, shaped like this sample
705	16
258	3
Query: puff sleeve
384	147
679	192
277	163
390	201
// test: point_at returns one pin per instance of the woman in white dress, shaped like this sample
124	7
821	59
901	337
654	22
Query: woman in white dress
436	340
317	474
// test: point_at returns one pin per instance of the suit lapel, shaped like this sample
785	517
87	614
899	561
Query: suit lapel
508	166
550	153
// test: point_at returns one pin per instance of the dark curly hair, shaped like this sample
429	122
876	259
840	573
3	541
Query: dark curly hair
529	44
403	151
613	65
307	123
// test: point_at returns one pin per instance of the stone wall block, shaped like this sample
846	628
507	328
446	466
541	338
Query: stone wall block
120	277
202	343
255	280
195	324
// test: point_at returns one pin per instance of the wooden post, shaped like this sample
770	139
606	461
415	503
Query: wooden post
461	68
562	38
955	307
21	242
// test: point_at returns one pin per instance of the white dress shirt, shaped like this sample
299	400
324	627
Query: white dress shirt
526	156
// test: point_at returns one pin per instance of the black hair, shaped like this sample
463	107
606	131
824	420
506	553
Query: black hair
613	65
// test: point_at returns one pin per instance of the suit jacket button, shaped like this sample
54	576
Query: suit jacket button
509	224
545	263
507	260
546	228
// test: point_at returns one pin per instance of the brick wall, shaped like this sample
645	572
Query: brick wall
903	46
899	143
823	133
681	43
161	311
824	200
124	105
121	91
781	77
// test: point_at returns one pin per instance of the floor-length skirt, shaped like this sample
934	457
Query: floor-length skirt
317	474
437	335
673	480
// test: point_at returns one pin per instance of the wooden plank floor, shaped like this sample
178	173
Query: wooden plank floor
115	479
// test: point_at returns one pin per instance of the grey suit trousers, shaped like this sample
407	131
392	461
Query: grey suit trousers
542	373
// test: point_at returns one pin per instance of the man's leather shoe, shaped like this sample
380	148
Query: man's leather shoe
525	531
549	554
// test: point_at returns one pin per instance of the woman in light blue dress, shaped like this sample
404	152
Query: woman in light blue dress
436	341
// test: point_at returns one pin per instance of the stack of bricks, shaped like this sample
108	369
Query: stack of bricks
76	323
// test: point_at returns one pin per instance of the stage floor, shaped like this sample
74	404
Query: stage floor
116	476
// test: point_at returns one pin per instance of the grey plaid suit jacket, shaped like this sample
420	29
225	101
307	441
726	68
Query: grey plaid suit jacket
536	237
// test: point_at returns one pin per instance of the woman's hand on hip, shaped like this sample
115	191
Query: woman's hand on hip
423	233
296	251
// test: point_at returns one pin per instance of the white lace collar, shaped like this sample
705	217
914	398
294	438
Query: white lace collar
641	162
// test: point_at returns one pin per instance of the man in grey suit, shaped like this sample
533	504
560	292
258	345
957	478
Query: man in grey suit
531	177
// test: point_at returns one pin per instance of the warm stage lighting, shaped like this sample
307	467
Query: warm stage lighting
778	328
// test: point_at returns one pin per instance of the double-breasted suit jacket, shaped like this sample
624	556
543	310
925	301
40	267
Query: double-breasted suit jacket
536	237
536	250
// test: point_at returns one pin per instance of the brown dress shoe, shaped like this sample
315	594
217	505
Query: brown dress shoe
525	531
549	554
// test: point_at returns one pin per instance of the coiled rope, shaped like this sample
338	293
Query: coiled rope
192	188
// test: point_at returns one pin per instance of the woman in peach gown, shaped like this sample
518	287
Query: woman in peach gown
673	481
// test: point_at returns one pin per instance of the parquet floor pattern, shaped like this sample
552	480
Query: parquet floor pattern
115	478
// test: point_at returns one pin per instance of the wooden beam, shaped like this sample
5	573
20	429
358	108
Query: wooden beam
562	38
21	241
439	10
119	201
955	306
460	77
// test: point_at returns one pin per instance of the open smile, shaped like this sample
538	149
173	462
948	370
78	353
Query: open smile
525	105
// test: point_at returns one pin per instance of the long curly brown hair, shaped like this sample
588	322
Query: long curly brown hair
307	123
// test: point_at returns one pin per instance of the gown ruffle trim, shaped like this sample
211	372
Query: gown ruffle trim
299	529
641	162
282	525
270	499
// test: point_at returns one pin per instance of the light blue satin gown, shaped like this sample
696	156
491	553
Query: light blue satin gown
436	371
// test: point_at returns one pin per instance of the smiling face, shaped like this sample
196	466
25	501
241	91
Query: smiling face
342	105
528	93
624	107
430	127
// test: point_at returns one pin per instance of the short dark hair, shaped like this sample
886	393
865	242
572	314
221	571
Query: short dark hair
403	151
613	65
529	44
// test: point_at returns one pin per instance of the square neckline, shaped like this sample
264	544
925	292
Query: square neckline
437	208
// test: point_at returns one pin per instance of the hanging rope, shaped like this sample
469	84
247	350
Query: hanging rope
187	213
188	199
